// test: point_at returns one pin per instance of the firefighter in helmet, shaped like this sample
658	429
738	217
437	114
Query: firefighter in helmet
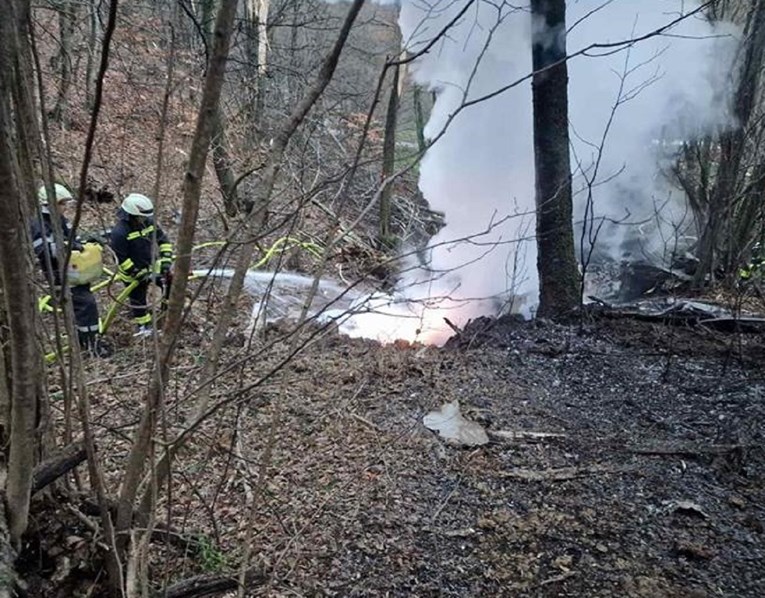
50	255
144	255
755	265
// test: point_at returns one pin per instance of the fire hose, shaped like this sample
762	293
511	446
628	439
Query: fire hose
45	303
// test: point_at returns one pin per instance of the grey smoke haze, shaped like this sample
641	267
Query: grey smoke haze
481	172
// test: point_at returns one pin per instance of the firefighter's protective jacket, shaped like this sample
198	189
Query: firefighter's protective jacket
42	236
134	249
753	268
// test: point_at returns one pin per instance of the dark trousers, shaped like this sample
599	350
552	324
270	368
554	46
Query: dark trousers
141	313
85	309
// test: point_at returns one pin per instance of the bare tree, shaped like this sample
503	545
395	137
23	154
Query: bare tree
389	158
273	164
94	33
141	451
556	260
726	203
17	293
67	19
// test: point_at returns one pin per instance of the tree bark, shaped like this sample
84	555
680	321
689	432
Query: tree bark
19	305
7	557
222	161
56	466
223	164
15	271
162	132
5	378
556	262
28	150
206	12
256	56
388	162
67	15
210	585
419	118
91	69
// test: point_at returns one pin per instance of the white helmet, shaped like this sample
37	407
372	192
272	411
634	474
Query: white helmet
136	204
62	194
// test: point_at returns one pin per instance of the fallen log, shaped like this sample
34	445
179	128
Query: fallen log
160	533
682	312
51	469
208	585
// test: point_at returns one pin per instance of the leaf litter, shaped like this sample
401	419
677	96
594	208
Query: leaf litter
361	499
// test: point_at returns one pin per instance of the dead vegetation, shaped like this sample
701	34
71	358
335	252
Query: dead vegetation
620	465
625	457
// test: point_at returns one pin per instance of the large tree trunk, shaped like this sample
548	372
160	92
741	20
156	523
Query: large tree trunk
556	262
15	273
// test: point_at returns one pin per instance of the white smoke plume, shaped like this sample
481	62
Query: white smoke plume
481	172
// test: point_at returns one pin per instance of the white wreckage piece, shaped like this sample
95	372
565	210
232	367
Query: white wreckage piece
453	427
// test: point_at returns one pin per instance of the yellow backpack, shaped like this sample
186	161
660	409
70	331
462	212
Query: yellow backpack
85	266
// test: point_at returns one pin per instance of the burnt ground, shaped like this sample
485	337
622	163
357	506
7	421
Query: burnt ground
652	486
655	489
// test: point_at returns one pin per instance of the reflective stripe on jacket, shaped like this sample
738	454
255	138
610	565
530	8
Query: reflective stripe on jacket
134	250
42	236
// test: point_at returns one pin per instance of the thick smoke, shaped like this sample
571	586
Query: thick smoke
480	173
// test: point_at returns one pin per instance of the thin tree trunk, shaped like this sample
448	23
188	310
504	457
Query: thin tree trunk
292	85
5	378
222	161
419	118
67	15
28	149
256	50
93	46
113	563
263	197
223	164
164	109
207	18
388	162
141	449
556	262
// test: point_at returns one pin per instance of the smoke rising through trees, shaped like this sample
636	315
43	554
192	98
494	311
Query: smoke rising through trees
674	87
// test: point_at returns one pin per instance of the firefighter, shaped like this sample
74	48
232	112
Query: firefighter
144	255
48	254
755	265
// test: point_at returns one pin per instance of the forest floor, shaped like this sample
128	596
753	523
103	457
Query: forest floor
651	483
650	480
